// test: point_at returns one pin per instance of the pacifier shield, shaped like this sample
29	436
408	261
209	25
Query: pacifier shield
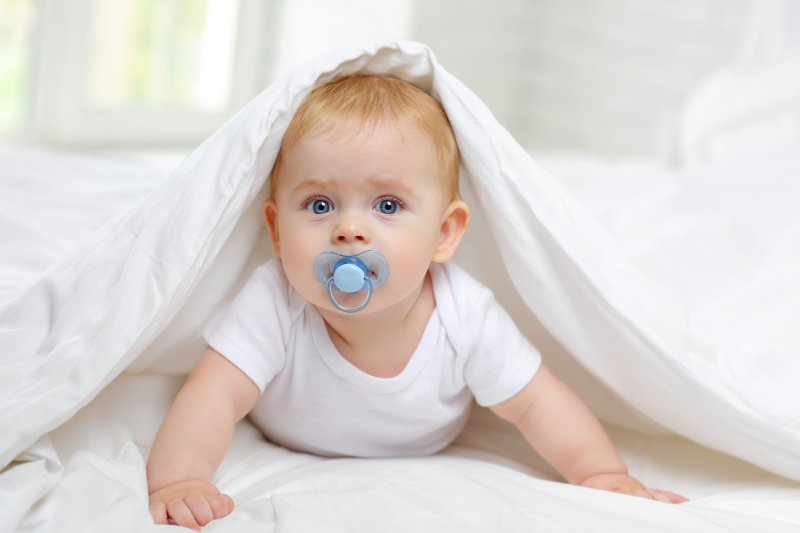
351	273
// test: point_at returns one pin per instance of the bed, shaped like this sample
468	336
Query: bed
735	281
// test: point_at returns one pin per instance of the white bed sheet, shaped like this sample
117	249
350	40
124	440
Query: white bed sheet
88	475
487	481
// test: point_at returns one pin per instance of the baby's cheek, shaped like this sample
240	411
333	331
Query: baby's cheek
307	286
407	272
299	268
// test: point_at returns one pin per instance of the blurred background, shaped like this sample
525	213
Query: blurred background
677	122
604	77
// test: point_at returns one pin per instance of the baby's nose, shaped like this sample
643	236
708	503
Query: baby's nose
349	231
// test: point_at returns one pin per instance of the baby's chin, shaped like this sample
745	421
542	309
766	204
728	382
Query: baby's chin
379	305
351	301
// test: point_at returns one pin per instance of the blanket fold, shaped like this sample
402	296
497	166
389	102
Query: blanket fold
104	308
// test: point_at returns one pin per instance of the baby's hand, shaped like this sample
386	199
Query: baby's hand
192	504
626	484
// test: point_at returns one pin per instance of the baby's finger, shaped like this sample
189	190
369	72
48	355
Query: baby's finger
158	510
666	497
200	508
674	498
230	503
221	505
636	491
631	491
179	512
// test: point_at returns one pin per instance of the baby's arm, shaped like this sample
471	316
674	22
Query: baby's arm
192	441
566	434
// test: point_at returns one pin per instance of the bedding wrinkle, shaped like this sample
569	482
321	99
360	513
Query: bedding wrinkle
640	277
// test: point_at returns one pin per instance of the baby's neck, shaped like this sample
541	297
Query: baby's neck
382	343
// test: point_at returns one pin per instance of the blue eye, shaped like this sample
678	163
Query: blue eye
388	206
319	206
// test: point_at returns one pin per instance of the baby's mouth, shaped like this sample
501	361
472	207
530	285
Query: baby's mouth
364	271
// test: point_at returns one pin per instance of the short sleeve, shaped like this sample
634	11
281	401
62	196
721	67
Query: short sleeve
496	359
502	360
252	332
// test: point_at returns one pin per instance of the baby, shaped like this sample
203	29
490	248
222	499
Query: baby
359	338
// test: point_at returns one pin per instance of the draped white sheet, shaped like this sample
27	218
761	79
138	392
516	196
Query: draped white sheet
134	296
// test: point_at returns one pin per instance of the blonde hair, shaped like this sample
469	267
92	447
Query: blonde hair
372	100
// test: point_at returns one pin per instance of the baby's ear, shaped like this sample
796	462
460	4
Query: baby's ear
271	218
454	223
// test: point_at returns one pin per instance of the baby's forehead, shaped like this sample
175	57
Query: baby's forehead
353	128
350	144
410	128
387	157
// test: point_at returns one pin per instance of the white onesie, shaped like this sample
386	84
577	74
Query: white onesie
314	400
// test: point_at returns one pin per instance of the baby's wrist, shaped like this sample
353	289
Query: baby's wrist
178	484
615	482
605	475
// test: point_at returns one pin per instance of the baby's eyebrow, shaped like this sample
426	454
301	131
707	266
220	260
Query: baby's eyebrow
312	184
382	183
391	184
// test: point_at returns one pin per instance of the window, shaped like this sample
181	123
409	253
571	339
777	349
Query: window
156	54
161	73
16	24
144	72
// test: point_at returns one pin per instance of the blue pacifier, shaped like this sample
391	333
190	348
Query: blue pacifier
351	273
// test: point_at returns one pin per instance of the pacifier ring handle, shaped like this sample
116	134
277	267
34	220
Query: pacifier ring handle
364	271
340	307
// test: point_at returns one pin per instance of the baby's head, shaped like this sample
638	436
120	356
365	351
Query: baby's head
368	101
368	162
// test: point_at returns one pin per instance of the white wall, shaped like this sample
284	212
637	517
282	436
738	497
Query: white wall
604	76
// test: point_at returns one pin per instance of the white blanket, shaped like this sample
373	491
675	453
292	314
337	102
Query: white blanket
134	296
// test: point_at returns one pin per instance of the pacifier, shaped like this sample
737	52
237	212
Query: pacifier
351	273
